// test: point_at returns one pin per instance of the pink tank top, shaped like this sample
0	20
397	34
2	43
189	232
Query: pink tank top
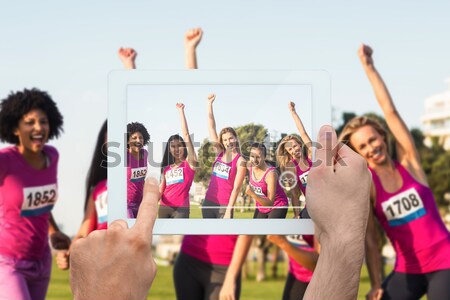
302	175
136	172
297	270
27	196
413	224
260	188
176	186
222	180
100	195
212	249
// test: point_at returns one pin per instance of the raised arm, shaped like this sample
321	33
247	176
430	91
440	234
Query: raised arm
307	259
211	120
191	40
228	290
405	142
128	58
301	129
271	180
191	157
240	175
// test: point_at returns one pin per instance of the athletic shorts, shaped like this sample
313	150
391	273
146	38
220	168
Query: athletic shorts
399	286
173	212
198	280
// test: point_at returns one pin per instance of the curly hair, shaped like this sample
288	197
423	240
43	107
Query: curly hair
138	127
18	104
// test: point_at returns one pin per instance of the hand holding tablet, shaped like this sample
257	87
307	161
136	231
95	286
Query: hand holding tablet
94	276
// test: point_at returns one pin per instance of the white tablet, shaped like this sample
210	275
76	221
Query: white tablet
245	100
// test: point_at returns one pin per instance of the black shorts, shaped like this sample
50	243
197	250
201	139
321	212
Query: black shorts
294	289
173	212
276	213
399	286
212	210
198	280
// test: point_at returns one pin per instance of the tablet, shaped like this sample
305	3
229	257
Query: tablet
253	103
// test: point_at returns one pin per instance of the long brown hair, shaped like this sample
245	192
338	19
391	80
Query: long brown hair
233	132
283	157
358	122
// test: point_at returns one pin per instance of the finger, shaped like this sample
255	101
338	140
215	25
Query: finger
326	152
116	225
145	219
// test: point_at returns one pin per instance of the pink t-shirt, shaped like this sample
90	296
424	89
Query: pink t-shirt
212	249
260	189
100	196
302	175
222	180
136	172
413	224
176	186
27	196
297	270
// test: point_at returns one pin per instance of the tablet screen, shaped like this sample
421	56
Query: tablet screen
236	161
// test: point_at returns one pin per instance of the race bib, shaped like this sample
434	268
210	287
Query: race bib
221	170
403	208
101	207
174	176
138	174
303	178
38	200
257	190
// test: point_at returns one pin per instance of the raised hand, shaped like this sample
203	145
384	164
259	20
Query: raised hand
128	57
365	55
211	98
180	106
193	37
291	106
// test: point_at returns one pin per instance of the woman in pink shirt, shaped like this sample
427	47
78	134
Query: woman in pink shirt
264	188
137	137
28	192
177	172
228	170
294	158
402	203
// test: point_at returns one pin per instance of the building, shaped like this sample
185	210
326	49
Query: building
436	120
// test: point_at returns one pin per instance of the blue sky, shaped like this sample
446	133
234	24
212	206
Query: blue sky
67	48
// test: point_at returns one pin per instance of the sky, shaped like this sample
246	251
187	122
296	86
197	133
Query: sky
68	48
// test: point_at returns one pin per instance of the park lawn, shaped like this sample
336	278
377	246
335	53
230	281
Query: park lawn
162	288
196	212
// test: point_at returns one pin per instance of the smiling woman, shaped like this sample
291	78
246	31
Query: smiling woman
28	192
138	137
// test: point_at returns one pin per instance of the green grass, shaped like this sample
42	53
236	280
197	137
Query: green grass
196	213
270	289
